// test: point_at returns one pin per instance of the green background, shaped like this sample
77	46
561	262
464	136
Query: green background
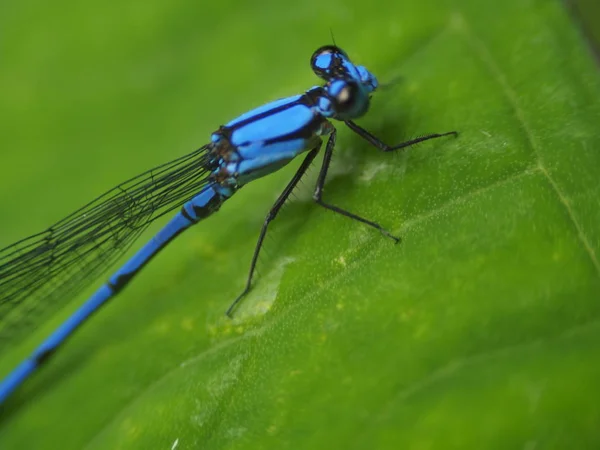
479	330
587	12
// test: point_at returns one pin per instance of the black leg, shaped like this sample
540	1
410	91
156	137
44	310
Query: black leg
319	191
386	148
270	216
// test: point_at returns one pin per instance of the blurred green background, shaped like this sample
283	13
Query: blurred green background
587	12
480	330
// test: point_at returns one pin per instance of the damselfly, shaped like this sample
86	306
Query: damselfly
64	259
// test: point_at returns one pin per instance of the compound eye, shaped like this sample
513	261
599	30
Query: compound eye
326	60
344	96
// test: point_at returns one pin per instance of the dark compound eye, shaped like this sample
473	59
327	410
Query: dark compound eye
348	99
327	60
344	97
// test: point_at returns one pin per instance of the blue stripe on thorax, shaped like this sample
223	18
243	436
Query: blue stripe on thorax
261	109
270	136
282	122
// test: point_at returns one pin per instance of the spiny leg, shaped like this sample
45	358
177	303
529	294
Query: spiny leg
270	216
387	148
318	194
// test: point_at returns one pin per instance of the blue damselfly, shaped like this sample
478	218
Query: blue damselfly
62	260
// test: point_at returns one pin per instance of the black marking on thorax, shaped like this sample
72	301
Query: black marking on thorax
308	99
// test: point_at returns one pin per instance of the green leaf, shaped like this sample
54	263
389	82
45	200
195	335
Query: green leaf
479	330
587	12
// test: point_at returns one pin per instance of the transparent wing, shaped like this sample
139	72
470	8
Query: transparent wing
40	273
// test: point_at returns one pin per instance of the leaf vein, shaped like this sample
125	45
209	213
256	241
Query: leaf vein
485	55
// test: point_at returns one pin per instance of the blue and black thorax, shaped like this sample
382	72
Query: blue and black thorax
266	138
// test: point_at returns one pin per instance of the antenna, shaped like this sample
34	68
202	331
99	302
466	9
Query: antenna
332	37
